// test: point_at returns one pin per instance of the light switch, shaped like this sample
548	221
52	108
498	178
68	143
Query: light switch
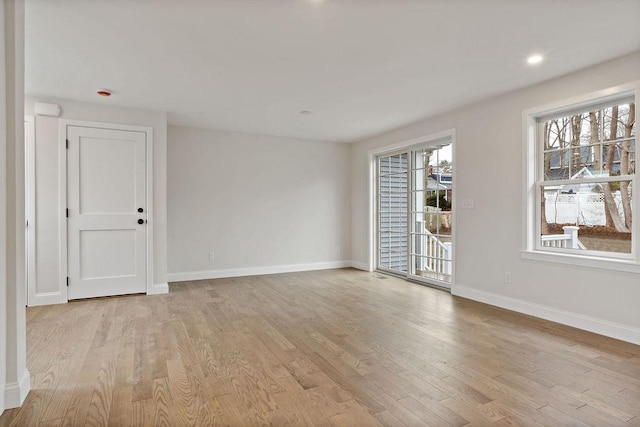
467	203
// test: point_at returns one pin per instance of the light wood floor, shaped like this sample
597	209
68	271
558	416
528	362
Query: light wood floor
339	347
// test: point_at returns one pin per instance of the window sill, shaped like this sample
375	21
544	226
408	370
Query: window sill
626	265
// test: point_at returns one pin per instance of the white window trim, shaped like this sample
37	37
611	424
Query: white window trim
530	163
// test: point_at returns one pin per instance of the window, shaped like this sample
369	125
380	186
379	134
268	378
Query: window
581	163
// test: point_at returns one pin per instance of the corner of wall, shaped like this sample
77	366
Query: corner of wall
16	393
158	289
360	265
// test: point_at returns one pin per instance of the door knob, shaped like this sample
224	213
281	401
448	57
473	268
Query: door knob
141	221
140	210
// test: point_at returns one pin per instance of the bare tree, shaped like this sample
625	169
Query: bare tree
561	136
625	165
544	226
609	202
596	119
576	131
595	139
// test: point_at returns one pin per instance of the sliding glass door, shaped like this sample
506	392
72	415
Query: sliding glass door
431	215
414	213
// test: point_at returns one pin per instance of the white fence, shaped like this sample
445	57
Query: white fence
579	208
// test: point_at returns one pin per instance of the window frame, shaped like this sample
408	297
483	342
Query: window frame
533	181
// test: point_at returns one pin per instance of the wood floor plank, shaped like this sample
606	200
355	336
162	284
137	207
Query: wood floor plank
468	411
141	413
100	406
120	408
604	409
333	347
296	406
182	393
425	413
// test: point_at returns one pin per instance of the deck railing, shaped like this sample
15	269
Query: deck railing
437	254
568	240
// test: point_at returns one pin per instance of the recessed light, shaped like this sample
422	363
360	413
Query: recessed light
534	59
305	112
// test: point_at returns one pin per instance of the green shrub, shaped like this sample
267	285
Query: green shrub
444	204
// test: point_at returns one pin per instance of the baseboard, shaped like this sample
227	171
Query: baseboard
360	265
46	298
15	393
576	320
158	288
255	271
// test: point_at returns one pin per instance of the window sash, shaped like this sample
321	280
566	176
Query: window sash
588	180
587	107
604	142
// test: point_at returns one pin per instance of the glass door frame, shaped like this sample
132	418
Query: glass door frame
431	141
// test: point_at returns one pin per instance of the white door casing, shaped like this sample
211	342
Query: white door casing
106	188
30	208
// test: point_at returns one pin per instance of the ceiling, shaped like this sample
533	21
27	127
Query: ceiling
360	67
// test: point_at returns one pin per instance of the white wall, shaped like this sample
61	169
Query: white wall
261	204
47	184
489	236
14	376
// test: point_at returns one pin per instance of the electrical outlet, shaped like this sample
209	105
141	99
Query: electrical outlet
507	277
212	256
338	250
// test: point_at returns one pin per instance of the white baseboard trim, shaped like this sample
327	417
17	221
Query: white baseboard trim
15	393
46	298
158	288
255	271
360	265
576	320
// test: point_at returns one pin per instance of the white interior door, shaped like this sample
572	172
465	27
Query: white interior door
106	194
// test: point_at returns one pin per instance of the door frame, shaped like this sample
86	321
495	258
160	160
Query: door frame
63	124
30	206
373	199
